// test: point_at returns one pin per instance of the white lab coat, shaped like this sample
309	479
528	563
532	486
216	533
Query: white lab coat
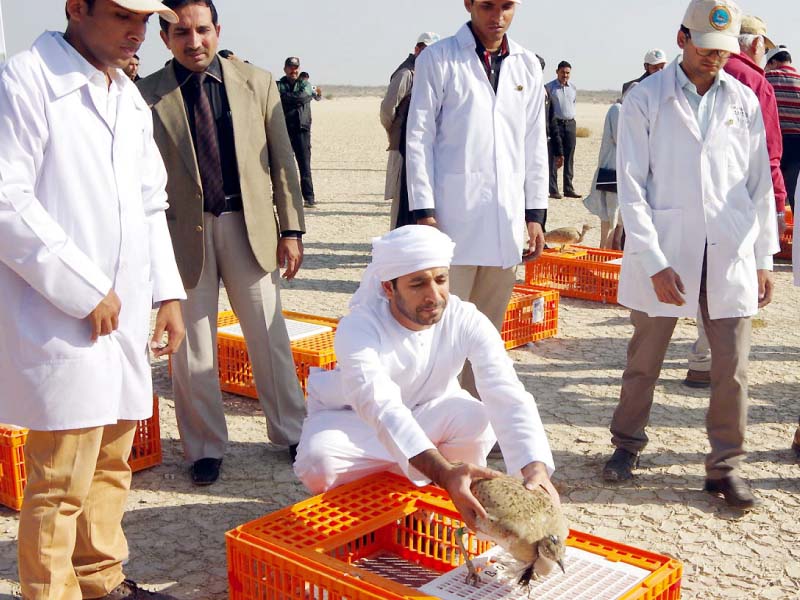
677	190
478	158
385	371
82	206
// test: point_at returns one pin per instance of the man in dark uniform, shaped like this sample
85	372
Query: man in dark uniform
296	96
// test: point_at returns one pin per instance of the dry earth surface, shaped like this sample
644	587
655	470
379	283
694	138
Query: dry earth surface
176	530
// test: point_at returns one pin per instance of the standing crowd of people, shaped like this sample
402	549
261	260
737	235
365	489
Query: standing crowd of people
199	174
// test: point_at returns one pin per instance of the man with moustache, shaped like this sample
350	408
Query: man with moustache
701	232
85	255
394	401
226	173
476	154
744	66
564	96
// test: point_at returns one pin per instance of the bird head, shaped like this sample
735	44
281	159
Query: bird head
586	227
552	547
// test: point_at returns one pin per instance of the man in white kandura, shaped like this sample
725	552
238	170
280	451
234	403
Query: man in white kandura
394	401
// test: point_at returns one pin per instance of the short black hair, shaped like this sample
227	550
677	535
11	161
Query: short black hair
781	57
176	4
541	61
226	53
136	56
89	3
563	65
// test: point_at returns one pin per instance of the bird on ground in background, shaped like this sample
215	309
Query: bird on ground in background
525	523
564	236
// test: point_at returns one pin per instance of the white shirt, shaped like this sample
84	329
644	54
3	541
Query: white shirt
385	370
702	106
82	206
681	191
477	157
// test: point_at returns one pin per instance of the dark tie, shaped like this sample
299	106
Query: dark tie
207	144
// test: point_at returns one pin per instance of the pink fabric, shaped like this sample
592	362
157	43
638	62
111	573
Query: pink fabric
750	74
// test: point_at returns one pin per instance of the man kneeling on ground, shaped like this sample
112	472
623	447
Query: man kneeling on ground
394	401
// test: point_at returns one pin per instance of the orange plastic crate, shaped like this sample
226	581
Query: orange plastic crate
145	453
313	549
236	372
589	276
12	466
146	448
786	242
520	326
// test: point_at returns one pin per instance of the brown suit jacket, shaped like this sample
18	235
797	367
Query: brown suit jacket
267	170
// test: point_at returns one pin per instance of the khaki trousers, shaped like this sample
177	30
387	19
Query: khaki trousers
489	289
726	419
71	543
255	298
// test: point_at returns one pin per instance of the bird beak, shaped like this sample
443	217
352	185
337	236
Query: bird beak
561	564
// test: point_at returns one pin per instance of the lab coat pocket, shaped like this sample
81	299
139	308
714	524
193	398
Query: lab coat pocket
47	335
669	227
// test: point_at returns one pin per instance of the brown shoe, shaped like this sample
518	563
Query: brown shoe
697	379
734	489
128	589
796	443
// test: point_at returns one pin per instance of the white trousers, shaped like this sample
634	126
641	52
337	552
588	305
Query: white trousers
337	446
700	354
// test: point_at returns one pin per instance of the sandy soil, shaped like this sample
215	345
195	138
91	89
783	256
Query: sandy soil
176	530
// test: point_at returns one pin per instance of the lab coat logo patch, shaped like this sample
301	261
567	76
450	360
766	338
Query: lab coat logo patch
720	18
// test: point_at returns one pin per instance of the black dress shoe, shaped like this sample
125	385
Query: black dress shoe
572	194
734	489
129	589
697	379
796	443
621	465
292	452
556	195
205	471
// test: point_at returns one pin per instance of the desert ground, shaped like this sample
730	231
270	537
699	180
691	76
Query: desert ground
176	531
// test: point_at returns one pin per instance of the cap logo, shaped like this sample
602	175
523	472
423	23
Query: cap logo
720	18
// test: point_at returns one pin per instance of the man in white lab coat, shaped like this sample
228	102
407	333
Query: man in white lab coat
699	210
476	152
84	256
394	401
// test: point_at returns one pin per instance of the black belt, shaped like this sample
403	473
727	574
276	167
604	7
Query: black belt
565	120
233	203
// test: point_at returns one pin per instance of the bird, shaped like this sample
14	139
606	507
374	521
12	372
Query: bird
525	523
564	236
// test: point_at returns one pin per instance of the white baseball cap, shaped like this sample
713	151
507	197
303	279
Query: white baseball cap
756	26
714	24
149	6
428	38
775	51
656	56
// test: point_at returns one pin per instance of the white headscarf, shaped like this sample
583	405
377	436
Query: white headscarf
400	252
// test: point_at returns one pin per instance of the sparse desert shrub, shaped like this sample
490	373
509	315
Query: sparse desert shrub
583	132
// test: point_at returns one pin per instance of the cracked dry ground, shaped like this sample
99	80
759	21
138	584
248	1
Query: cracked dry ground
176	530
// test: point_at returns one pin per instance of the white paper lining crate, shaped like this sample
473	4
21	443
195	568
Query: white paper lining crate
311	344
343	544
